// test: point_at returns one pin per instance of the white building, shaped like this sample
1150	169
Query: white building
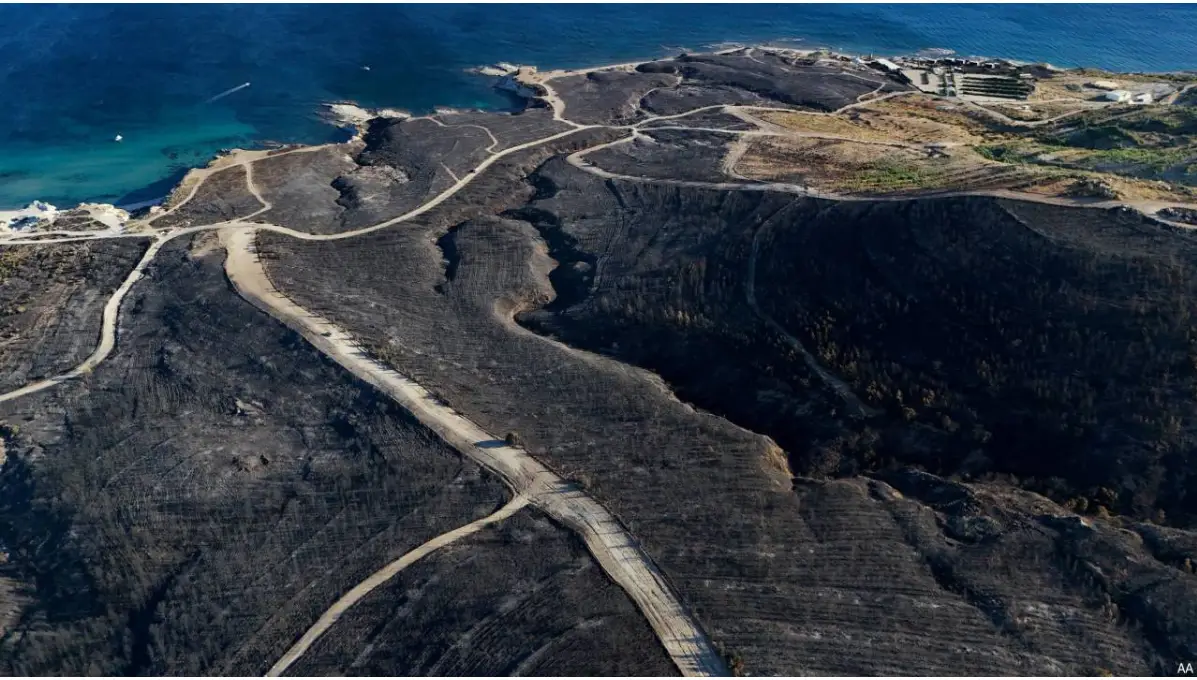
1117	96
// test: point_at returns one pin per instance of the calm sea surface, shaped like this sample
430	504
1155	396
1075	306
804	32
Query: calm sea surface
73	77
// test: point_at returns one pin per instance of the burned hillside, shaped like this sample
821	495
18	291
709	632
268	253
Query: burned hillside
223	196
675	154
1048	343
403	163
447	321
300	188
611	97
761	78
51	299
615	384
525	599
988	336
184	488
196	502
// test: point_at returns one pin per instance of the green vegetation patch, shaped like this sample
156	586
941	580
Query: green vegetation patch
1163	126
1152	158
890	176
1171	120
1019	151
1101	137
1137	162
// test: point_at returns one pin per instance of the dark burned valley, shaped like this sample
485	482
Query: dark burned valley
758	362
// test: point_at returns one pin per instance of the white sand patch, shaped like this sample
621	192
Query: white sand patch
28	217
107	214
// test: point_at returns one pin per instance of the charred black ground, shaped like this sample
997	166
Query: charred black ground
934	435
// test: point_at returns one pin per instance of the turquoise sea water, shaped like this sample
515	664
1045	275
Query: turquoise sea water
73	77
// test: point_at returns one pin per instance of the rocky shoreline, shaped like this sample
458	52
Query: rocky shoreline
514	79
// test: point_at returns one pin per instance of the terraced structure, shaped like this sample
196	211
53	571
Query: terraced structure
619	384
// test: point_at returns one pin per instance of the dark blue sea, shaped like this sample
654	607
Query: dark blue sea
73	77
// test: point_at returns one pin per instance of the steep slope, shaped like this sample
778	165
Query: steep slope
784	579
988	336
881	436
195	501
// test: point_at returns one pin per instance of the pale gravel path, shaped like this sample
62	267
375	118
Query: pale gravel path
735	152
346	601
615	549
578	160
107	331
239	157
493	140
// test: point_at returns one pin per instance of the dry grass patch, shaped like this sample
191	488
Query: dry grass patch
870	169
1064	87
938	119
1032	110
910	120
843	125
10	260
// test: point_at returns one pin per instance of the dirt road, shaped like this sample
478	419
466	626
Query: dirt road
107	330
247	159
238	157
577	160
615	549
329	617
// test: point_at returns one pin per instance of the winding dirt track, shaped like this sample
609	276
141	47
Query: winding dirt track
107	330
329	617
577	159
615	549
238	157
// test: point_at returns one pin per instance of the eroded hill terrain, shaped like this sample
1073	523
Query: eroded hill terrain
755	362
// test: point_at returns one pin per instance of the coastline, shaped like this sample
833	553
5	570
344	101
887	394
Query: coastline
351	117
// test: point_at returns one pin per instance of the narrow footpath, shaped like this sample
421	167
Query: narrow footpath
361	590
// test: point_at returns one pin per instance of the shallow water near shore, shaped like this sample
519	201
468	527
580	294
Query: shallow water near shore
74	77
